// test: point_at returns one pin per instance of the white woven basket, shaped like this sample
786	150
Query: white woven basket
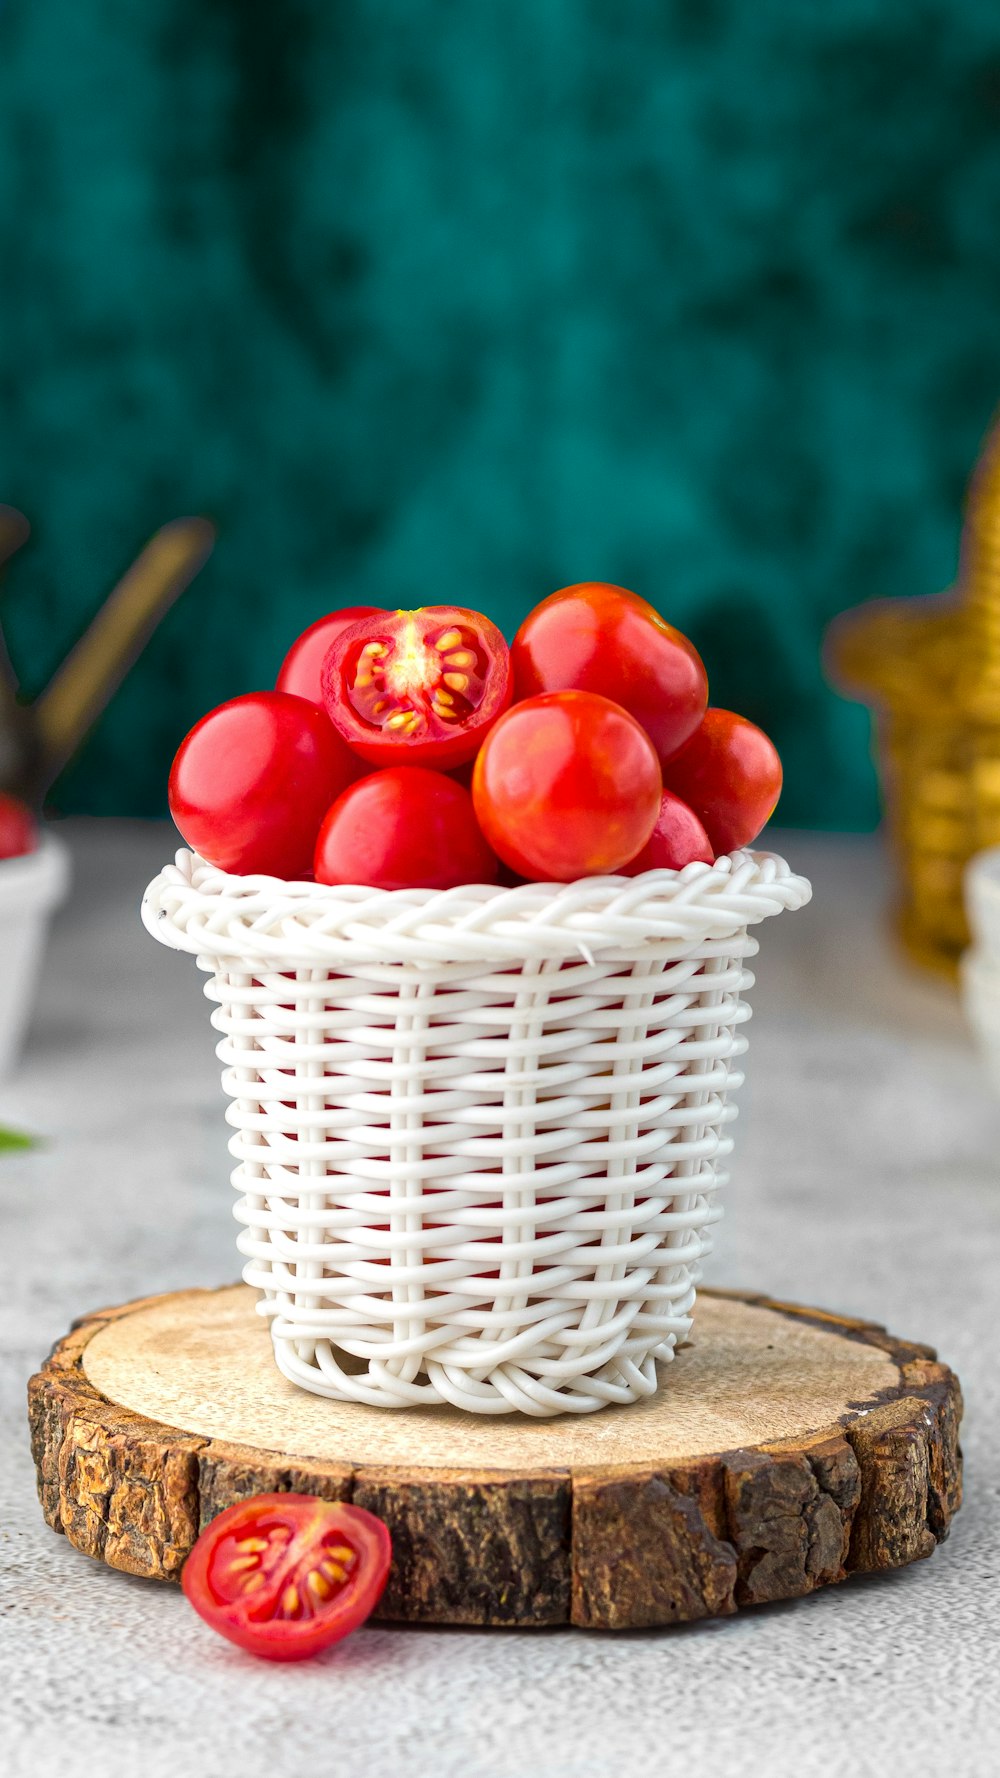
478	1131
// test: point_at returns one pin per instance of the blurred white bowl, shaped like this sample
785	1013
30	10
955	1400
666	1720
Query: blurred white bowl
979	973
982	900
30	889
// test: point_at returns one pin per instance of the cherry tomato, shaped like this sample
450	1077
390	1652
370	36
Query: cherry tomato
596	637
463	774
252	781
18	829
285	1575
567	785
404	828
302	668
420	687
677	839
730	775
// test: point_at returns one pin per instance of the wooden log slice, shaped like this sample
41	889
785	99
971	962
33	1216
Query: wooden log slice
786	1449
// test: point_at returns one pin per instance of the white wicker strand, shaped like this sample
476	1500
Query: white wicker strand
478	1133
260	919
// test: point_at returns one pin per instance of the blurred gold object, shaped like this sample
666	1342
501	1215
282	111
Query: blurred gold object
930	670
37	739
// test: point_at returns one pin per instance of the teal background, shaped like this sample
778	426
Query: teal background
427	301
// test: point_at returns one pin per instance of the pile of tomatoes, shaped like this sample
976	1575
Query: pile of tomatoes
414	749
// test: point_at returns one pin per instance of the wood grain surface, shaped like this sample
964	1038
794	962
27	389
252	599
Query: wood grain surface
786	1449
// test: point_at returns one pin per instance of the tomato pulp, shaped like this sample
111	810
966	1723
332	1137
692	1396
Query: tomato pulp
602	638
404	828
285	1575
417	686
730	775
252	781
567	785
302	668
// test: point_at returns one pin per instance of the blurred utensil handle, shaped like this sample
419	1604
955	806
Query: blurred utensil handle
95	668
14	532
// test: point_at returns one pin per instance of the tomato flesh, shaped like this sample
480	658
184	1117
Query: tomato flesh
602	638
285	1575
252	781
18	828
677	839
567	785
420	685
404	828
730	775
302	668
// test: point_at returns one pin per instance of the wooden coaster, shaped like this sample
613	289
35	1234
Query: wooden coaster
786	1449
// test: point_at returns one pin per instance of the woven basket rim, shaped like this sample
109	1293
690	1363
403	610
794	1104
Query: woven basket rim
192	906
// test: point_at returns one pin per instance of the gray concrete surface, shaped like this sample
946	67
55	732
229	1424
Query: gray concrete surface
867	1179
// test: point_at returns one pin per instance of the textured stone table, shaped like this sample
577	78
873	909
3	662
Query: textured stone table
867	1179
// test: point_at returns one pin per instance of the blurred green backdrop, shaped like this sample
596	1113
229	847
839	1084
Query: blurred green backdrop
428	301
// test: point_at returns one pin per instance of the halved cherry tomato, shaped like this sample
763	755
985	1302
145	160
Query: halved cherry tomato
567	785
730	775
18	828
602	638
404	828
252	781
677	839
420	687
302	668
285	1575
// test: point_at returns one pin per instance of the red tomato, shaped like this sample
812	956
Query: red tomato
463	774
302	668
418	686
404	828
285	1575
18	828
677	839
252	781
567	785
596	637
730	775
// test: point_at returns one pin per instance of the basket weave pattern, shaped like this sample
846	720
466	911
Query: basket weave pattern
479	1131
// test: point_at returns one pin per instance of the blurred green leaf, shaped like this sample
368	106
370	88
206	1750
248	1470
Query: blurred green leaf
13	1139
